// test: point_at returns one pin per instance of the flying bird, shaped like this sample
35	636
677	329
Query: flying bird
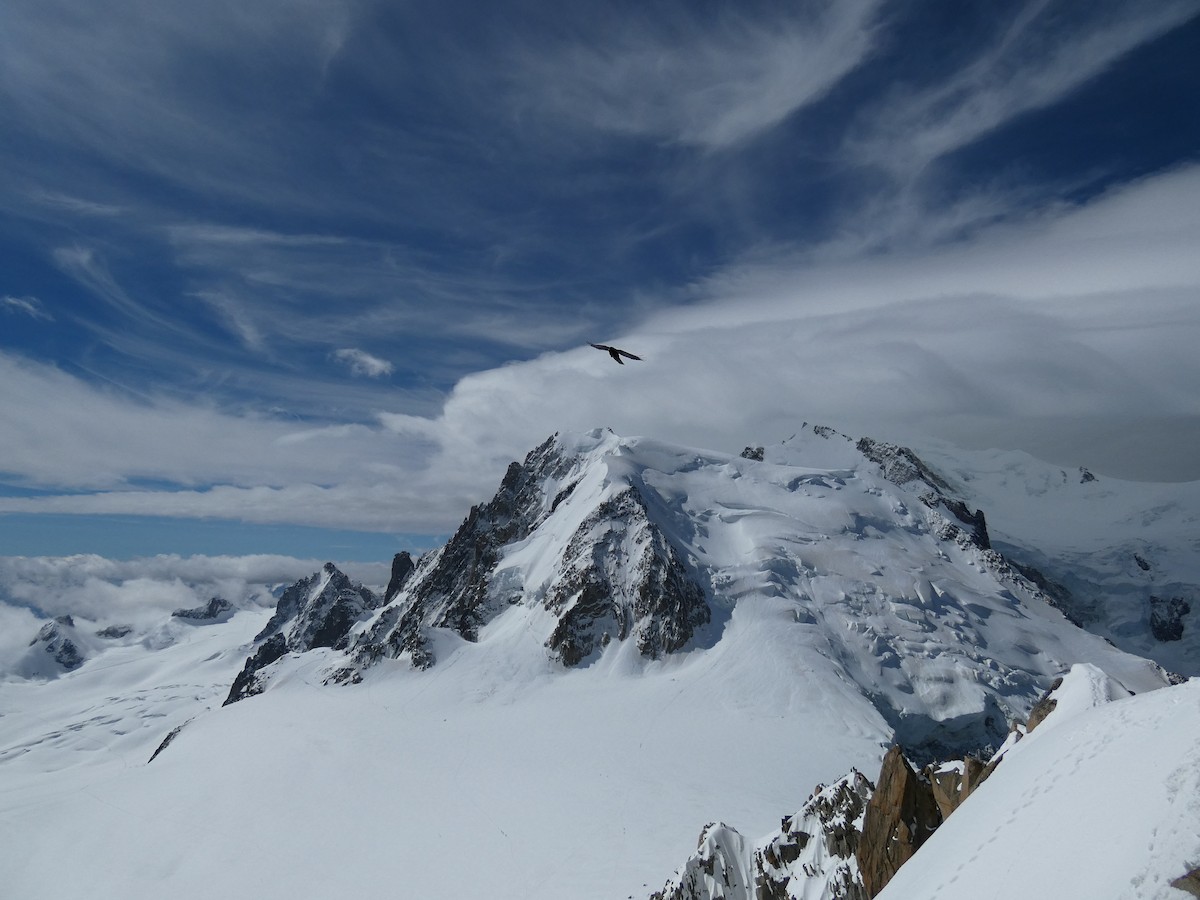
616	353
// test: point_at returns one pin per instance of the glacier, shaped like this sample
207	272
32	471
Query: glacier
630	640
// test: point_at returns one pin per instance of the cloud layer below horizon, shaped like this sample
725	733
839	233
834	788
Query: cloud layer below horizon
140	592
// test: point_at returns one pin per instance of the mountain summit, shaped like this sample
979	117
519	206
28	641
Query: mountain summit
628	640
854	556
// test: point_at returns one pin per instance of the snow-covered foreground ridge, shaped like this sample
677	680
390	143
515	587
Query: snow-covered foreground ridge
1101	801
1082	806
628	640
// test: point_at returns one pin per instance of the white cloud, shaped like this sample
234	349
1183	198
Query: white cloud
59	430
88	267
123	81
385	502
192	236
29	306
277	291
1045	335
235	316
363	363
708	84
1034	64
66	202
1086	316
139	591
18	626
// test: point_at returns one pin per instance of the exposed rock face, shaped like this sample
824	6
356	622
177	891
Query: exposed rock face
248	683
1057	595
166	742
1166	617
814	854
454	593
114	632
845	843
900	816
453	589
622	577
899	464
953	783
402	569
1043	707
1189	882
56	640
754	453
716	871
319	611
976	524
619	576
214	610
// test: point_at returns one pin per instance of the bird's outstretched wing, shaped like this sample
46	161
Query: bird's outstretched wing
616	353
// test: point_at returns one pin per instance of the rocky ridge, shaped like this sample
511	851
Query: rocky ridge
60	644
716	871
318	611
845	843
1117	558
622	578
900	817
215	610
818	846
850	838
595	540
617	576
453	587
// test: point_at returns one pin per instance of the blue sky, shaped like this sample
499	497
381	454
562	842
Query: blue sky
301	271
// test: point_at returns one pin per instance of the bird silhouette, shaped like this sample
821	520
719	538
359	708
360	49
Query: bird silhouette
616	353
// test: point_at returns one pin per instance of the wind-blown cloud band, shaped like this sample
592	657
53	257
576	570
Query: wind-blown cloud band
1065	325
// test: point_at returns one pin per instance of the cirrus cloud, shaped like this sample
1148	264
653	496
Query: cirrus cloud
1062	335
363	363
678	79
28	306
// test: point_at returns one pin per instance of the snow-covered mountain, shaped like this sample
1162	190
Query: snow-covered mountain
629	640
1121	558
869	566
314	612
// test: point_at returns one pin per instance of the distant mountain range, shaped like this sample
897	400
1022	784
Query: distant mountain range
628	634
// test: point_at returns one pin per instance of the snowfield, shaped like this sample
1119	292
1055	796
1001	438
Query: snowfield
842	599
1101	801
1113	544
482	777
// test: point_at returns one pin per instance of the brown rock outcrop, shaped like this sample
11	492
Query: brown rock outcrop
900	816
1043	707
1189	882
952	785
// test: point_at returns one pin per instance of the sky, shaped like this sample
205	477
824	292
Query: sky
301	277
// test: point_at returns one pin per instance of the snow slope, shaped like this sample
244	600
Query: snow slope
1128	553
1100	802
736	631
480	778
870	582
119	704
